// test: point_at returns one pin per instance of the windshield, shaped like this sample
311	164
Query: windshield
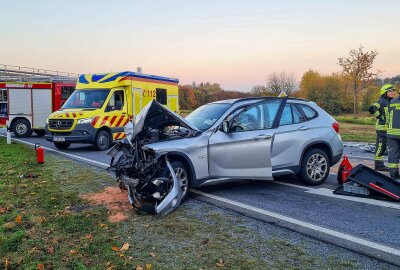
205	116
86	99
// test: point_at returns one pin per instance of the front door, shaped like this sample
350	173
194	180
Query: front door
245	151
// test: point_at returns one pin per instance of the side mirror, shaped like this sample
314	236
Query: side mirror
225	126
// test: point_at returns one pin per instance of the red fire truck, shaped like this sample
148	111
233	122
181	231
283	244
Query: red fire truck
26	105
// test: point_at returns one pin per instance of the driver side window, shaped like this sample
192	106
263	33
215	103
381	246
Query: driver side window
116	102
248	120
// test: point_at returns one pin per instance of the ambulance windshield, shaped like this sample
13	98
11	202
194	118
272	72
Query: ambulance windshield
86	99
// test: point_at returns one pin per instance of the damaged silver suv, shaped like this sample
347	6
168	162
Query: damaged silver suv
250	138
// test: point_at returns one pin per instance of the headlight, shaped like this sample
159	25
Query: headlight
47	121
85	120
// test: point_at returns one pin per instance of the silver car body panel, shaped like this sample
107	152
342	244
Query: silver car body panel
280	150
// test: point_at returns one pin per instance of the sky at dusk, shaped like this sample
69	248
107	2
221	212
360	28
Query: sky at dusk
234	43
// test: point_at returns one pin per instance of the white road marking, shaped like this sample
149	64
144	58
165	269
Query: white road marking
304	224
105	165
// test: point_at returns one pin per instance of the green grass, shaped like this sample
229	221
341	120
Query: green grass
361	119
56	224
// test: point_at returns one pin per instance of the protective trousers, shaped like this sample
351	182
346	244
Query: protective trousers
394	156
380	148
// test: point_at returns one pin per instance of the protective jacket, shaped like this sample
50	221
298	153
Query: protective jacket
393	130
380	110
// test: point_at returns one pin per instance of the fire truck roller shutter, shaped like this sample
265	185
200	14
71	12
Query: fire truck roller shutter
20	102
41	99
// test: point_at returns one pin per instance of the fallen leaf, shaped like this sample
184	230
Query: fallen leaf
50	250
121	255
3	210
73	252
103	225
18	219
40	266
153	254
149	266
124	247
6	264
9	225
108	264
89	236
139	267
146	225
110	268
116	249
220	263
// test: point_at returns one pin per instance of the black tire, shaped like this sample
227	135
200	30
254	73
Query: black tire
40	132
62	145
22	128
102	140
315	166
181	171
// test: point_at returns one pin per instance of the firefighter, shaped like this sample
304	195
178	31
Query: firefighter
380	111
393	137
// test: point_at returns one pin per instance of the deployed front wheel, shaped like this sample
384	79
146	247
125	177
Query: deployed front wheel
181	173
315	167
102	140
62	145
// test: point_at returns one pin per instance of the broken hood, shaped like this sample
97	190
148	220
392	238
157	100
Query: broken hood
156	116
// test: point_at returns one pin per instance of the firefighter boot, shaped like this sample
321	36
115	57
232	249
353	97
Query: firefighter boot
379	166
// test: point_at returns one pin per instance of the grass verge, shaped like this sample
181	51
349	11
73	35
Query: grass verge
45	224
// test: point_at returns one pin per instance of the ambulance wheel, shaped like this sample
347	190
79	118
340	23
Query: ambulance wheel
22	128
315	167
62	145
102	140
40	132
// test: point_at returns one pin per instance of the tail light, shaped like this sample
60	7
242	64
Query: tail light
335	126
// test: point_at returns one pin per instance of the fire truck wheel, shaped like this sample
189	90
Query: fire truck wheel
40	132
22	128
62	145
102	140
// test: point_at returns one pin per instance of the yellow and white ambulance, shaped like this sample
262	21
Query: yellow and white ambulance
103	104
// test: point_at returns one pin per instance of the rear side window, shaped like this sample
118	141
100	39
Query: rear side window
286	118
161	96
297	115
309	112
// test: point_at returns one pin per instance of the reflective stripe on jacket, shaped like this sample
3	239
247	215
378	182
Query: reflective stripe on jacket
393	130
381	112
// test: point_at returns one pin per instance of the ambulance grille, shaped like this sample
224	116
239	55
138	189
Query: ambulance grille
61	124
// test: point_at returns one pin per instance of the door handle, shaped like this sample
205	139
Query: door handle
264	136
303	128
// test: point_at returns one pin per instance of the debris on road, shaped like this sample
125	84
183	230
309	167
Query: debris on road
366	182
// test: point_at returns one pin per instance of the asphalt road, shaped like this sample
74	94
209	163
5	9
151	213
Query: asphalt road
371	227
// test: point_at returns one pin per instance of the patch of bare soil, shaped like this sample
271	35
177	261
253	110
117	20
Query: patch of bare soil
114	199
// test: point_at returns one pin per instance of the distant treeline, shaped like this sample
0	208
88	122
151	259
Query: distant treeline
331	92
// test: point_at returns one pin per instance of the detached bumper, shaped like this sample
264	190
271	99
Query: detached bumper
82	133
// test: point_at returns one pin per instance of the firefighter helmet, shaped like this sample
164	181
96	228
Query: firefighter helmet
386	87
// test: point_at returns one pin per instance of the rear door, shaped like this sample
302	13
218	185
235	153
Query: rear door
245	151
41	102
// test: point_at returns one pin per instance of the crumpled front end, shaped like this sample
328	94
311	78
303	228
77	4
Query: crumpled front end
147	174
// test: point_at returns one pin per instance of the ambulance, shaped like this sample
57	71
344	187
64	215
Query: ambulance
26	105
103	104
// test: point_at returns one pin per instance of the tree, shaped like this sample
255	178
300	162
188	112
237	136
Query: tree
282	81
356	68
275	84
